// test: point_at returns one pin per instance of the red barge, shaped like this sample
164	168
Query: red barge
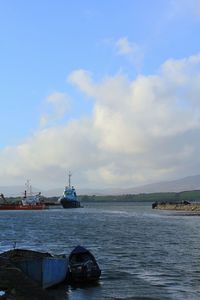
19	206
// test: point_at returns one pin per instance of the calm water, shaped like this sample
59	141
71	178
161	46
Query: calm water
143	253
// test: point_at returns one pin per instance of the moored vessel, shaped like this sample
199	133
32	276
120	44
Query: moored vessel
43	268
69	198
28	202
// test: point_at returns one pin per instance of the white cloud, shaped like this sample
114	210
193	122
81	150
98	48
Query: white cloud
132	51
83	80
125	47
140	131
57	105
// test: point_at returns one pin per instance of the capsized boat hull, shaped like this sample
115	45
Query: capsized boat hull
83	267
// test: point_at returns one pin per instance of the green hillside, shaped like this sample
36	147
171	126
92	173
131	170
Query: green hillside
147	197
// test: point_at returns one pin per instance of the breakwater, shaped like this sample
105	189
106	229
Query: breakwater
194	207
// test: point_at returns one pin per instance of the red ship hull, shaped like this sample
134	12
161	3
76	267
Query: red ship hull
22	207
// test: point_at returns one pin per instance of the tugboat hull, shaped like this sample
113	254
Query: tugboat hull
70	204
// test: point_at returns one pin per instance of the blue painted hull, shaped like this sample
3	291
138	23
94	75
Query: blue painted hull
47	271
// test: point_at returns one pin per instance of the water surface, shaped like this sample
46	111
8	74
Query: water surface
143	253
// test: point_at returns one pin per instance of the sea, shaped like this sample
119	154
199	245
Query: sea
143	253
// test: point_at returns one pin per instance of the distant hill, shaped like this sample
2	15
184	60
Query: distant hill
184	184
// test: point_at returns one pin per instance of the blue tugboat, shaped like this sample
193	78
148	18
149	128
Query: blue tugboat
69	198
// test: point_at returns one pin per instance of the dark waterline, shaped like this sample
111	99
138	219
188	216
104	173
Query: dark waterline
143	253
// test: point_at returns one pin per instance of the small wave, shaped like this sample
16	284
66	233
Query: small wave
154	278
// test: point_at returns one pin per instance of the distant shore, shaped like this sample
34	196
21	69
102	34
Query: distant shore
192	196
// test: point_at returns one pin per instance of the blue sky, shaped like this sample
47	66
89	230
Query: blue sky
66	68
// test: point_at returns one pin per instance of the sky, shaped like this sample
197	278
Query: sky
109	90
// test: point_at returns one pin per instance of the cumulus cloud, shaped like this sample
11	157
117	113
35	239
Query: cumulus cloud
142	130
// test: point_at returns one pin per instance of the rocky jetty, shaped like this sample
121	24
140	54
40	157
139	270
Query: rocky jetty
184	206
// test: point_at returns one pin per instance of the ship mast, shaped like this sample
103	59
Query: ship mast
28	187
70	174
